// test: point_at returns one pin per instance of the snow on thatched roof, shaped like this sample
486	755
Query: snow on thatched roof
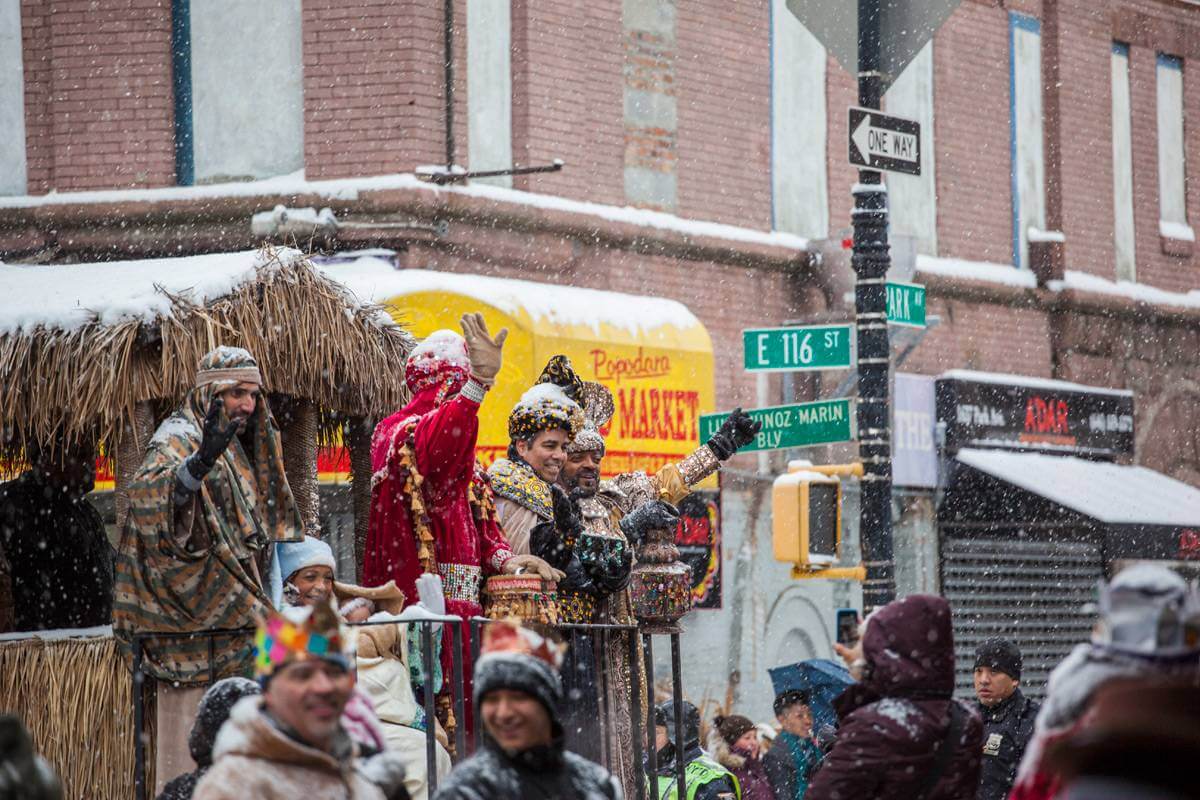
81	344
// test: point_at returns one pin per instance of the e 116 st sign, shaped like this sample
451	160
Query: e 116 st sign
796	349
797	425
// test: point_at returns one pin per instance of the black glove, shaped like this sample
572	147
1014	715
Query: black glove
546	544
737	431
611	574
577	579
566	516
655	515
215	440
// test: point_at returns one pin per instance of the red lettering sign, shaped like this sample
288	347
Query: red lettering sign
1189	544
1046	416
615	368
667	414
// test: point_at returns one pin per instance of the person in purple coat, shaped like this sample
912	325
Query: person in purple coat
902	735
733	742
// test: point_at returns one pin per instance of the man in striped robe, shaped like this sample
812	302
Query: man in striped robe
206	506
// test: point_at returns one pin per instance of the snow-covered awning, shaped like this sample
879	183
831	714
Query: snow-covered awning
1112	494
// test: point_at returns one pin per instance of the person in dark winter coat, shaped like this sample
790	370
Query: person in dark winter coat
794	757
1008	716
518	695
704	777
1142	742
211	714
898	720
59	558
733	741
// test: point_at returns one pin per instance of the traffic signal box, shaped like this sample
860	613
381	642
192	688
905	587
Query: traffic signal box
806	513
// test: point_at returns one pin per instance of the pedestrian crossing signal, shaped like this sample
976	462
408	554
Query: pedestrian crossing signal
806	513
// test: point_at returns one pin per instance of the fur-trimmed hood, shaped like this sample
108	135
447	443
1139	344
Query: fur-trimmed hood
722	752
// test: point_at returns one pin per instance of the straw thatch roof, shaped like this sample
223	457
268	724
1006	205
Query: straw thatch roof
81	344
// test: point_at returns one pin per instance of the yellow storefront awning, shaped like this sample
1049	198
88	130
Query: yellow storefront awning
652	353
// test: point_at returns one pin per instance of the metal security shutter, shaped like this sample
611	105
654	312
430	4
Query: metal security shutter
1031	592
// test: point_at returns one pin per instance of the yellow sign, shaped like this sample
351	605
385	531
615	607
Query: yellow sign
660	373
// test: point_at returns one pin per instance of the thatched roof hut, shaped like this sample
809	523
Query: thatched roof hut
98	353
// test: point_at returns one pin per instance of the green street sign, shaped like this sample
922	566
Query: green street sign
906	304
809	347
799	425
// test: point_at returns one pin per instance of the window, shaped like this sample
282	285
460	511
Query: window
1172	194
489	88
12	100
239	89
913	198
1122	155
799	184
1025	121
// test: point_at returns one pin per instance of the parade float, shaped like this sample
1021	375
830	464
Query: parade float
100	354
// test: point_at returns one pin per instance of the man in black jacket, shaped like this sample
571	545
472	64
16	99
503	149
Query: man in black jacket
519	697
1008	716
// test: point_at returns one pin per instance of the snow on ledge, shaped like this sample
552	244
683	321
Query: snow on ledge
1047	384
1176	230
985	271
347	189
1039	235
69	296
1085	282
374	280
59	633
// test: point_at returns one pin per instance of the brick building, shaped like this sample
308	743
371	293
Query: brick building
1053	225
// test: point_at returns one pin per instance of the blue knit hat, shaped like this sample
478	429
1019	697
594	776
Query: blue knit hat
291	557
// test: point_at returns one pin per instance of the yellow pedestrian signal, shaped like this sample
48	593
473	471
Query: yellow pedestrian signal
806	514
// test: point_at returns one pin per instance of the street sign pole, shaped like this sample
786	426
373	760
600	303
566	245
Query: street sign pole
871	261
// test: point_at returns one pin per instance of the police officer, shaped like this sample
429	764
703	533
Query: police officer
1008	715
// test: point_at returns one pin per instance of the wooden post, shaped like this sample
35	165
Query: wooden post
130	449
358	442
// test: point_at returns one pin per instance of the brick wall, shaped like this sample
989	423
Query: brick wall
1082	178
724	136
99	106
992	337
373	87
1160	361
971	115
567	80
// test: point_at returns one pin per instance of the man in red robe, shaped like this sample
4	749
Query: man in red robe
431	506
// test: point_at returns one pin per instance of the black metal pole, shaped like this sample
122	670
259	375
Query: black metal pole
871	262
430	712
458	690
448	33
635	703
476	632
677	696
651	726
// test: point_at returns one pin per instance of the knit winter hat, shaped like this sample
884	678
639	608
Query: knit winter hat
305	633
520	658
212	712
732	727
1000	655
440	359
226	366
291	557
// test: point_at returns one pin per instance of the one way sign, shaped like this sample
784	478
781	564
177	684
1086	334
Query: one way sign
885	143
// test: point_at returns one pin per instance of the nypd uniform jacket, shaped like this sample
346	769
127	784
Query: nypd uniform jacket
1007	728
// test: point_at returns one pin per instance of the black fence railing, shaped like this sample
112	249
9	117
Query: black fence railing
643	755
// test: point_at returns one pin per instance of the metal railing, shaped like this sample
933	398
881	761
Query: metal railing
644	754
